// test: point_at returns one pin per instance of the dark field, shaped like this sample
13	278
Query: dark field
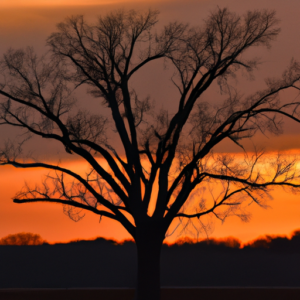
167	294
102	264
104	271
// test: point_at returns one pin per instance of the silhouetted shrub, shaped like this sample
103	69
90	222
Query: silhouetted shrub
21	239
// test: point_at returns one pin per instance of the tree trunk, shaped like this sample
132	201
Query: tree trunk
148	277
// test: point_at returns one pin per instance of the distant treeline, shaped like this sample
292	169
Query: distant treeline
278	243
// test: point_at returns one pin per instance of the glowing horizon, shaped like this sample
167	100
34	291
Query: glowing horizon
54	226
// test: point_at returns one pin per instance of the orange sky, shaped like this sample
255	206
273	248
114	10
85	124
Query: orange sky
21	26
49	221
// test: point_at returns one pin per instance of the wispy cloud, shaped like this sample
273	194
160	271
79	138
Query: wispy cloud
10	3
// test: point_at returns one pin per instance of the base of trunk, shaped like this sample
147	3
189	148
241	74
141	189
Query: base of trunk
148	279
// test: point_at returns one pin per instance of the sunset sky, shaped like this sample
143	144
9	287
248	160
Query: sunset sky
28	23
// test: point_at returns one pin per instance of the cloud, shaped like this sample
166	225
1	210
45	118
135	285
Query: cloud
36	3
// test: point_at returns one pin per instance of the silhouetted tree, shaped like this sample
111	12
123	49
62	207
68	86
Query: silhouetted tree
22	239
172	151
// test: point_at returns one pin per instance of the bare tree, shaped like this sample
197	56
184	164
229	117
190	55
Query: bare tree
174	150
